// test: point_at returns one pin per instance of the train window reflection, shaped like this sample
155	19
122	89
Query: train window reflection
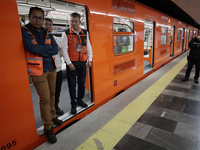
123	44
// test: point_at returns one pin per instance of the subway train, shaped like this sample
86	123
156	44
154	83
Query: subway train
129	41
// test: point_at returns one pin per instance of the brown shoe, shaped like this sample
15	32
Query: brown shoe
50	136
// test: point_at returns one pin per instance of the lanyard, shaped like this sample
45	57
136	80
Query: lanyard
78	38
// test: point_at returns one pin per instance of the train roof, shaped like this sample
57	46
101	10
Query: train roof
185	10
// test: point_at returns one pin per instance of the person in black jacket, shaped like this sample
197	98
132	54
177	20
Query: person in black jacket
193	59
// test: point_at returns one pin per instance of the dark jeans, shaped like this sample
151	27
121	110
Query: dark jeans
58	87
192	62
80	72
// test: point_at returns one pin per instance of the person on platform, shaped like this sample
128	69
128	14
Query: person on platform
193	59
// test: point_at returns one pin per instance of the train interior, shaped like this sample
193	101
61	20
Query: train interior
59	12
148	45
172	42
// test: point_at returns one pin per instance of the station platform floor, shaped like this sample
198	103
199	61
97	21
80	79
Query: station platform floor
158	113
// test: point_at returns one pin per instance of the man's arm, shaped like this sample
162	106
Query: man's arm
65	48
54	48
65	51
33	48
89	51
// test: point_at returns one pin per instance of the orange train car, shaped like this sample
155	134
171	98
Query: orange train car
129	42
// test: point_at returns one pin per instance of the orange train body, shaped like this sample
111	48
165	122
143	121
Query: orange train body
18	129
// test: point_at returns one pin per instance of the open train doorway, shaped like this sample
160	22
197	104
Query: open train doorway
183	33
148	45
172	42
59	13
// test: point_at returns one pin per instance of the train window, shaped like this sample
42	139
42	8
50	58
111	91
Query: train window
123	23
122	28
163	39
123	35
123	44
164	30
191	35
179	38
164	35
179	35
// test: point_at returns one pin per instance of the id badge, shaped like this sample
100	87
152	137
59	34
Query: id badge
79	47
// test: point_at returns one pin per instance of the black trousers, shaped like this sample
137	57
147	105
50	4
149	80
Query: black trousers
59	79
192	62
80	72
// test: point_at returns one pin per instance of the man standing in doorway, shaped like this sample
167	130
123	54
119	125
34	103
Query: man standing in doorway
77	53
48	23
40	47
193	59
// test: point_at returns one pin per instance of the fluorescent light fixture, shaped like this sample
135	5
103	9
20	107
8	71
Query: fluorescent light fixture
67	11
31	5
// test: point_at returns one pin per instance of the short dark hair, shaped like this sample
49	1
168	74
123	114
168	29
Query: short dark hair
47	19
35	8
74	15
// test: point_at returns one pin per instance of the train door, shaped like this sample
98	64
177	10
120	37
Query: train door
186	39
172	42
188	36
183	33
148	45
59	13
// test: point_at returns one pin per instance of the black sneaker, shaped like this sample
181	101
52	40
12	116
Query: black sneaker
196	81
185	79
73	110
57	122
82	103
59	111
50	136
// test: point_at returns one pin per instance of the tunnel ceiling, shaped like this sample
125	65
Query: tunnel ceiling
187	11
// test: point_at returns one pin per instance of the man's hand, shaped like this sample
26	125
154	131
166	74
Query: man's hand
89	64
71	67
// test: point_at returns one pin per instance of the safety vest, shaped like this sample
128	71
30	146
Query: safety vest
35	62
74	39
115	40
124	41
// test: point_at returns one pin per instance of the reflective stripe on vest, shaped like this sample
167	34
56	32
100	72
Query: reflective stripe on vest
35	62
72	41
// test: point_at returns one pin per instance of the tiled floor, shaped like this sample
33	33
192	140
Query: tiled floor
172	122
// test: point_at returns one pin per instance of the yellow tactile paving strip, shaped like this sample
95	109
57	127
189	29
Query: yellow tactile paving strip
112	132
